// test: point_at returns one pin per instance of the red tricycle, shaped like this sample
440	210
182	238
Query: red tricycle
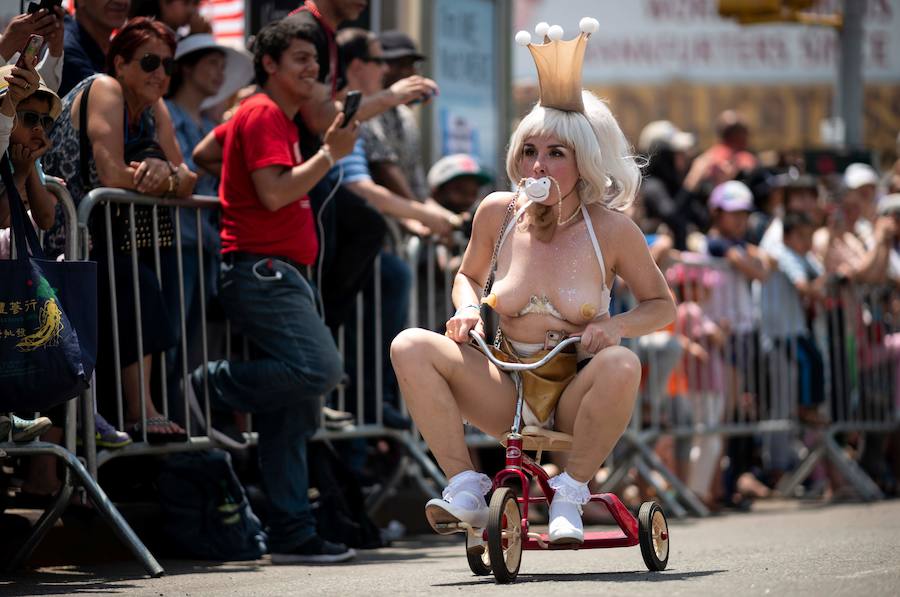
498	548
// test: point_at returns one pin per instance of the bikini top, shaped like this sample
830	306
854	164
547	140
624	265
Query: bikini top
542	304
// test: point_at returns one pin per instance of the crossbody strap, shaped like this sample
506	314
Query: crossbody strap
83	141
510	210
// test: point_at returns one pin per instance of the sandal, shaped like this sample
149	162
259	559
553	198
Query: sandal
156	437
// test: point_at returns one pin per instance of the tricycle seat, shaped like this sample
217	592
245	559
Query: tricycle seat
542	440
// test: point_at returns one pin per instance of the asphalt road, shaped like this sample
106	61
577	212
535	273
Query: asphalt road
780	549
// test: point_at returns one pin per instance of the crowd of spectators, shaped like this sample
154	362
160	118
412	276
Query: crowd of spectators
779	268
759	249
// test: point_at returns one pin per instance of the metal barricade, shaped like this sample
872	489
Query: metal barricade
744	368
137	260
859	324
74	472
105	200
722	372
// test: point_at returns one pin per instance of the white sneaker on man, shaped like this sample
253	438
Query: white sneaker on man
565	509
463	505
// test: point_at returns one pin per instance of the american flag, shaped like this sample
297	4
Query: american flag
227	18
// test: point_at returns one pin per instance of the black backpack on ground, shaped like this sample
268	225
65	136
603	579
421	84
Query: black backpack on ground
206	512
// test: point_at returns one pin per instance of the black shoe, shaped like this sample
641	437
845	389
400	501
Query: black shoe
314	550
224	429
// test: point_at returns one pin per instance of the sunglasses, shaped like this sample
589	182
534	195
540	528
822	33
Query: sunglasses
374	59
32	119
151	62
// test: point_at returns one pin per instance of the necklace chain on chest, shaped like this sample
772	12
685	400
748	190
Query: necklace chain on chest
568	219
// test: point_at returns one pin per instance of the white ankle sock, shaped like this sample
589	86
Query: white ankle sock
467	489
570	490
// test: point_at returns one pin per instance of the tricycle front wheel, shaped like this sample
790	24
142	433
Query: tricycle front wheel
653	532
504	535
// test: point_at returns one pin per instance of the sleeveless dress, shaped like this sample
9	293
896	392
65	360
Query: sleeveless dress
64	161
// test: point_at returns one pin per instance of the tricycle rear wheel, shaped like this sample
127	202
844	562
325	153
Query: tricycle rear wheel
477	555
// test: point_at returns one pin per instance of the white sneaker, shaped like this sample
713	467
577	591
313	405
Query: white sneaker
467	510
565	522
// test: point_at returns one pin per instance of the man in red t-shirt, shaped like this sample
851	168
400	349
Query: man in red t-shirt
268	237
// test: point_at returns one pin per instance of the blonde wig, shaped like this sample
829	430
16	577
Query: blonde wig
609	172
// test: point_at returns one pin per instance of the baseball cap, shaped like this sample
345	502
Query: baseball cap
662	135
396	44
859	175
453	166
55	102
732	196
238	66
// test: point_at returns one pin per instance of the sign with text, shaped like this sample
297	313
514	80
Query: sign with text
655	41
465	68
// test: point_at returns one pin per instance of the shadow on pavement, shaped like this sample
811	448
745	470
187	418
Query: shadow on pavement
120	577
111	578
635	576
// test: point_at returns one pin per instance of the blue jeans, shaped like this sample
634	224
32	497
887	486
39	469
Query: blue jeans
296	364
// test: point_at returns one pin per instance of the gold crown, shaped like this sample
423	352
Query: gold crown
559	63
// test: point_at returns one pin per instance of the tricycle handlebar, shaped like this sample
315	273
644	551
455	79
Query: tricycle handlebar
504	366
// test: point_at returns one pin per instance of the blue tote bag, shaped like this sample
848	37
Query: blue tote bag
48	319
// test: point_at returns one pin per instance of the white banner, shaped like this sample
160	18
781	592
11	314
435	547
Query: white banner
656	41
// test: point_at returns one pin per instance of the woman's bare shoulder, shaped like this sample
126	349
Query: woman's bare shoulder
496	201
611	224
492	208
105	84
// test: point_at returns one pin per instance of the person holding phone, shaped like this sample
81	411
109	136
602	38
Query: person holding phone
268	240
46	20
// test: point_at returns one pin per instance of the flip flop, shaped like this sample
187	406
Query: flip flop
156	437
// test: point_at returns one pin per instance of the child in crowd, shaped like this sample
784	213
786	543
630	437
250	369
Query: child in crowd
806	290
700	376
24	134
730	204
26	111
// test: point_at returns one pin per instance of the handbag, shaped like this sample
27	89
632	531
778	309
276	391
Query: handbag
136	150
48	319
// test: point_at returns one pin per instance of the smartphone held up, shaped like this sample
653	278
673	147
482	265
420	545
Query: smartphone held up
47	5
29	54
351	105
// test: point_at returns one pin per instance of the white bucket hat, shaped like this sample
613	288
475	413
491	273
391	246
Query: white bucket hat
238	65
663	135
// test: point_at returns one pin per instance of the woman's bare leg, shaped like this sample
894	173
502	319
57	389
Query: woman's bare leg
596	407
443	383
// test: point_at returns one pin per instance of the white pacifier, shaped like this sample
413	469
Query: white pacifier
538	189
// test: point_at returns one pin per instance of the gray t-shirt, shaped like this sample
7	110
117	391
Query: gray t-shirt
394	137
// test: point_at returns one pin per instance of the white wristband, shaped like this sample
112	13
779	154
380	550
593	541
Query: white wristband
476	307
327	153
